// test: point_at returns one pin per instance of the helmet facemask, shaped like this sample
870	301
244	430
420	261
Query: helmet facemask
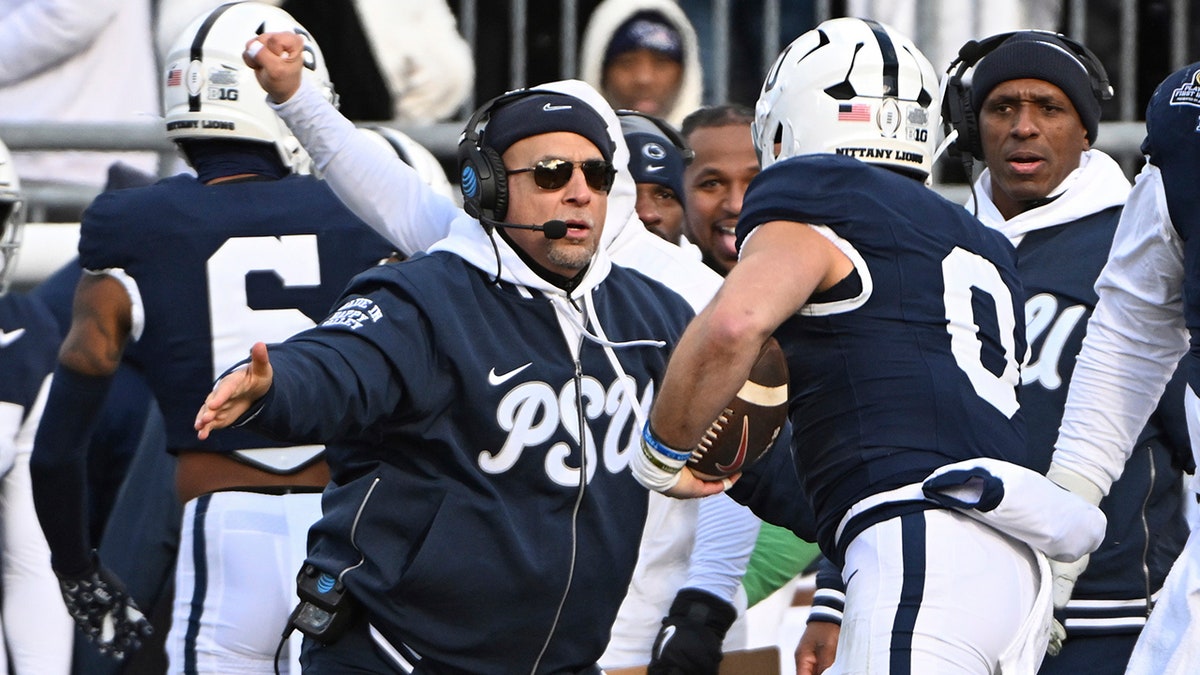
12	219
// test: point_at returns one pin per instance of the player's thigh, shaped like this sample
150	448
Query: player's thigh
235	578
932	592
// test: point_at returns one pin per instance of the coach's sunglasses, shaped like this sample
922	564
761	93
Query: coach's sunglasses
553	174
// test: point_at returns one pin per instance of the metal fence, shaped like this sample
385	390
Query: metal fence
1136	37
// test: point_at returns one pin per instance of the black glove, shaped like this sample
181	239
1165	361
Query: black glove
690	640
103	610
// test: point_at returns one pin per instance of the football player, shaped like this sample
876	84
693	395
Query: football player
35	626
1140	329
190	268
898	313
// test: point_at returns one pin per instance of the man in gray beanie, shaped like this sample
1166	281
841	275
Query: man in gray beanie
657	158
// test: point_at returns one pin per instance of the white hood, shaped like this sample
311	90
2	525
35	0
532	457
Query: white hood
1098	183
609	16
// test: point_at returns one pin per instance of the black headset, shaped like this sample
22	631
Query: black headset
483	178
667	130
958	113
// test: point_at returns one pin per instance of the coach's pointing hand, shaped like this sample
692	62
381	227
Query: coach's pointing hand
235	393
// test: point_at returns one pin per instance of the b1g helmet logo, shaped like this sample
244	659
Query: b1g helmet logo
211	93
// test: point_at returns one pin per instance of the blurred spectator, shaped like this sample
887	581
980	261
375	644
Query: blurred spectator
76	61
401	60
643	55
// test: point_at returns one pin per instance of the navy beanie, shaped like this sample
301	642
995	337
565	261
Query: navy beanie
653	157
1039	56
645	30
543	113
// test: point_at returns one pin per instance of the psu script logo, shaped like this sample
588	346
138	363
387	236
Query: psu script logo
534	412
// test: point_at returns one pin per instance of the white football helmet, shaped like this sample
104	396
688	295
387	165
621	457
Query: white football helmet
209	91
415	155
12	218
855	87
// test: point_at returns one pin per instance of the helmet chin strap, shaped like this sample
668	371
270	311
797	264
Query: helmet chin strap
944	145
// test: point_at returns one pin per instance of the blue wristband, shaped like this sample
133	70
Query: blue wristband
662	448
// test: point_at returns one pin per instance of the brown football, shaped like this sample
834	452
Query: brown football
749	424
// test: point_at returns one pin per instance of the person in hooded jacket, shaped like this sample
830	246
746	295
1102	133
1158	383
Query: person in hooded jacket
516	325
644	56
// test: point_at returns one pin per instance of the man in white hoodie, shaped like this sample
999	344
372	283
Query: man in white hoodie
643	55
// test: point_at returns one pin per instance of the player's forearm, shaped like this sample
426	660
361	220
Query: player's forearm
371	180
58	466
708	366
725	535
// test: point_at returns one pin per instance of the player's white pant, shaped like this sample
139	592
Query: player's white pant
1170	642
235	582
37	628
935	592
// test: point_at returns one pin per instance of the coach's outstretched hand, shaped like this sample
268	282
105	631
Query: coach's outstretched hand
235	393
278	61
104	612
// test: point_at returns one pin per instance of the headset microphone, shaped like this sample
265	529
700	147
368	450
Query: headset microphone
551	229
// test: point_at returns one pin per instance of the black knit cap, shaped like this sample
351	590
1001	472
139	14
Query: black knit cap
1039	56
645	30
543	113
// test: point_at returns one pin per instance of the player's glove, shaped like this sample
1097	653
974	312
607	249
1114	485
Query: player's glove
103	610
1065	574
690	640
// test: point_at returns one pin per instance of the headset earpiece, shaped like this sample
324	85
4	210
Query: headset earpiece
483	179
958	113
